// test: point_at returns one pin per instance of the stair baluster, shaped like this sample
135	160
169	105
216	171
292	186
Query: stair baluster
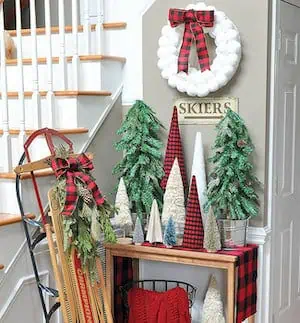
99	27
21	98
100	33
87	26
62	44
50	93
6	140
75	59
36	98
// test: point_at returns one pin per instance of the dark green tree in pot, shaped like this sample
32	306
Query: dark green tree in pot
232	188
141	166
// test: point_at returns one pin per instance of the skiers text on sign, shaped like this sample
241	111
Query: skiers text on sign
205	110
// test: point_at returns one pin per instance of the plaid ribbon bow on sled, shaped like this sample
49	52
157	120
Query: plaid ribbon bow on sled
76	168
194	22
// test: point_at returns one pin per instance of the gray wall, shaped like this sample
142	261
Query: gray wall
249	84
105	156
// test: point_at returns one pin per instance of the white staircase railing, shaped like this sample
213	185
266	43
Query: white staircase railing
62	44
50	93
75	60
21	97
20	123
36	98
6	140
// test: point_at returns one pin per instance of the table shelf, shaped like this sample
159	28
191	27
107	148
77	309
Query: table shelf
172	255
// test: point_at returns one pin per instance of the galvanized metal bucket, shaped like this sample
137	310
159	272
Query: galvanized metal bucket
233	233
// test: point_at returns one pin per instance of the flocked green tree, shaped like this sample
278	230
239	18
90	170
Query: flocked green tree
141	166
232	188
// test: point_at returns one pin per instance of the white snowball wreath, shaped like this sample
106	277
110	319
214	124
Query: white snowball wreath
223	67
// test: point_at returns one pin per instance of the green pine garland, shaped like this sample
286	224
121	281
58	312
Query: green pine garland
232	185
78	227
141	166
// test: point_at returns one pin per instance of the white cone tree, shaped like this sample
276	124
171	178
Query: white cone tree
198	169
123	216
212	239
213	306
138	234
174	199
154	233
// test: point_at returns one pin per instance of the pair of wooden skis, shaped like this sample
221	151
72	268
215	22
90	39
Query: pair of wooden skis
80	300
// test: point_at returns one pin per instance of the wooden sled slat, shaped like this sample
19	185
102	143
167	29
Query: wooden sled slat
41	164
66	275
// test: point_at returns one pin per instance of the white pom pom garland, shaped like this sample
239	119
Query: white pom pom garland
223	67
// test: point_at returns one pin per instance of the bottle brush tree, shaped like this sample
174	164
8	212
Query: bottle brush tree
123	215
138	234
170	233
212	239
154	233
141	166
232	184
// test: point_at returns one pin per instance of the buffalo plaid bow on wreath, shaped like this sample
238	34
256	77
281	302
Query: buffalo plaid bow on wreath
76	168
194	22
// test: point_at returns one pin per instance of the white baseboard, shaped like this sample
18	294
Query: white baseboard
262	237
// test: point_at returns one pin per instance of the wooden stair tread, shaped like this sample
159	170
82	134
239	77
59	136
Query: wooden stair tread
28	132
69	29
14	94
6	219
83	58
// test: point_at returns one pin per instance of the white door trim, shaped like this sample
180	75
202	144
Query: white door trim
275	43
262	237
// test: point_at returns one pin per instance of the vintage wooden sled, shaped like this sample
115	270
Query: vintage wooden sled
80	300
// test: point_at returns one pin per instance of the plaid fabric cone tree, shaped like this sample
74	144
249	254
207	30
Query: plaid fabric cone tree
193	230
174	149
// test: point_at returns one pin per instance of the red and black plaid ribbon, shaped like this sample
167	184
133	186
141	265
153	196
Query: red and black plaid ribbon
76	168
194	22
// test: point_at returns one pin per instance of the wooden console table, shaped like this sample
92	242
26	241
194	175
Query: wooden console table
201	259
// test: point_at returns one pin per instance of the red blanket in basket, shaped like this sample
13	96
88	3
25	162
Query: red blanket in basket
154	307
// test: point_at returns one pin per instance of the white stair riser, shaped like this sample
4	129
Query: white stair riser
69	112
112	45
8	201
93	76
65	112
86	82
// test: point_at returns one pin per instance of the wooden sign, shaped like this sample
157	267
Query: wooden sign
204	110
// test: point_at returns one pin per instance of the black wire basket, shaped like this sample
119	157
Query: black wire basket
159	286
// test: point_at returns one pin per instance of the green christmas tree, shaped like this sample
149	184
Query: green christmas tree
232	183
170	233
141	166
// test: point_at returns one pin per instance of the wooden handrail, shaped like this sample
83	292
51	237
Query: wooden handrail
7	219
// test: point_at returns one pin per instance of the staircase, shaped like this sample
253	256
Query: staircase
66	77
